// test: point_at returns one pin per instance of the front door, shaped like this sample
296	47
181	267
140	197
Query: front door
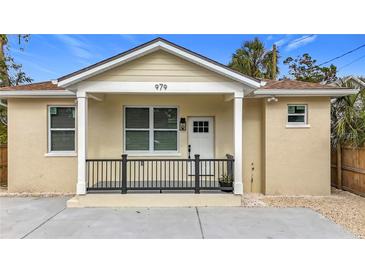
201	137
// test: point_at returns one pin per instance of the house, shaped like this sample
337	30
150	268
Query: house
160	117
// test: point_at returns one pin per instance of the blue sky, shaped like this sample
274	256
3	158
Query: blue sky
51	56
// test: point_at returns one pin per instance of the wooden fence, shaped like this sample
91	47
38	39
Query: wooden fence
353	170
3	165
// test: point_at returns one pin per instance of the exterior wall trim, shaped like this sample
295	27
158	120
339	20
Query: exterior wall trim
37	94
304	92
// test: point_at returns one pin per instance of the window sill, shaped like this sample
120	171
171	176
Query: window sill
61	154
298	126
137	154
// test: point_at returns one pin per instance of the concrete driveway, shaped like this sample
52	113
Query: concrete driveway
49	218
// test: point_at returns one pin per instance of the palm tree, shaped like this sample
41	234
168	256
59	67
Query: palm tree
254	60
347	123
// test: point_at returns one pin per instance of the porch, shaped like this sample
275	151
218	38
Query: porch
133	155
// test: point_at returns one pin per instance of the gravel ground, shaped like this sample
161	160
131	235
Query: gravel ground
342	207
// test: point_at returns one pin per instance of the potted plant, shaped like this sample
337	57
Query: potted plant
226	183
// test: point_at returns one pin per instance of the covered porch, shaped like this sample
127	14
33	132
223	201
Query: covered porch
197	147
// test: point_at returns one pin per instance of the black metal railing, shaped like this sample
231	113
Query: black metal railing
157	174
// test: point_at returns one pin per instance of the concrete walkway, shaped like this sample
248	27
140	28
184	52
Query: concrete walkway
49	218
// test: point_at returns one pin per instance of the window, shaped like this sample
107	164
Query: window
297	114
151	129
61	129
201	126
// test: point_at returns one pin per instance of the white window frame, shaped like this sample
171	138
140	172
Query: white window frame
297	124
51	152
151	129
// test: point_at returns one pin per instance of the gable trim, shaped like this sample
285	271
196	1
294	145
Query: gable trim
154	45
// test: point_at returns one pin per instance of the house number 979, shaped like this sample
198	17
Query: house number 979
160	87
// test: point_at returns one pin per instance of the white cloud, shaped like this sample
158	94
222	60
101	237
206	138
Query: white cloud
130	38
282	41
39	67
270	37
77	47
300	42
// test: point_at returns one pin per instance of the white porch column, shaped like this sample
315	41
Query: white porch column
81	142
237	133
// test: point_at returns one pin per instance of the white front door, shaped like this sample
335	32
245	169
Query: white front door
201	137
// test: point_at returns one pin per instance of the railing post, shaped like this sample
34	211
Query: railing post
230	166
197	173
124	173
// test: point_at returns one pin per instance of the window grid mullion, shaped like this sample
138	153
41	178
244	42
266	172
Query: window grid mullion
60	129
165	129
152	148
137	129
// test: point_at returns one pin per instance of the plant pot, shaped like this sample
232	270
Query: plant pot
226	187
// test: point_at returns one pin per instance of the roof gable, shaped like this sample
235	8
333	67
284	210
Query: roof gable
159	66
152	46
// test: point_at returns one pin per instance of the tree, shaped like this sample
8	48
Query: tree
347	123
348	118
304	68
254	60
11	74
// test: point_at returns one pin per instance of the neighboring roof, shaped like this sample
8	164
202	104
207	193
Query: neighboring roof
34	86
357	80
293	84
158	43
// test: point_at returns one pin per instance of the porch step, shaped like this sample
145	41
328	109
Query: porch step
153	200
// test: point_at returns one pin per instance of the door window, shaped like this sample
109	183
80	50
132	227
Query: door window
201	126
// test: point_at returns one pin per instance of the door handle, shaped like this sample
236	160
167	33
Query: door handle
189	150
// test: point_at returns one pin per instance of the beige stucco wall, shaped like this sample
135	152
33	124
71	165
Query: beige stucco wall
252	146
29	170
297	160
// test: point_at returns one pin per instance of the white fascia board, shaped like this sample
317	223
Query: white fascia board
304	92
37	94
150	87
154	47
